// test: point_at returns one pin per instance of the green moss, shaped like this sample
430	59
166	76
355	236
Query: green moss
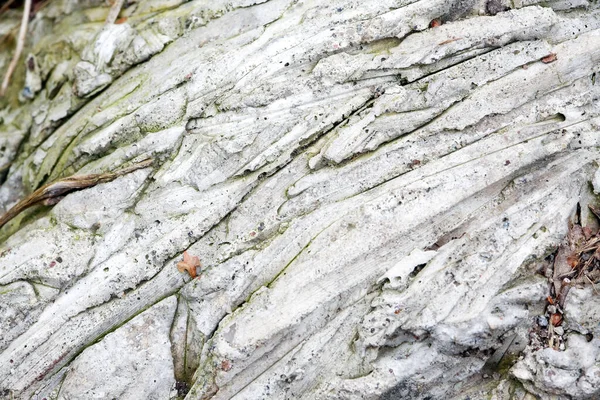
25	217
205	379
3	292
506	363
540	231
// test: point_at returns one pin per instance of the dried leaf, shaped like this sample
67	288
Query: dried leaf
561	267
549	58
562	294
576	237
189	264
573	260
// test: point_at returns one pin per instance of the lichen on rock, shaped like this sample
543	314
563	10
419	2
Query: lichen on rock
371	188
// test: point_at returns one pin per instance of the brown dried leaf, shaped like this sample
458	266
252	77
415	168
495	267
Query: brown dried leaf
576	237
567	258
561	267
573	260
189	264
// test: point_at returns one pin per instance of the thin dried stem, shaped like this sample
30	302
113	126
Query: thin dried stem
52	193
590	281
115	9
592	245
19	48
562	294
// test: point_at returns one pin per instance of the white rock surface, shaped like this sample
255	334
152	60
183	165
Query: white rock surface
370	196
132	362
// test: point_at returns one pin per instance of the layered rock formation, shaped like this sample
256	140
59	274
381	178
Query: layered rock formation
371	188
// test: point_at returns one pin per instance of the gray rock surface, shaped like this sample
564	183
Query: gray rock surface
143	343
371	188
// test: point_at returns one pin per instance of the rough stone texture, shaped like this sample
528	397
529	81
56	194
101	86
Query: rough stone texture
100	373
370	197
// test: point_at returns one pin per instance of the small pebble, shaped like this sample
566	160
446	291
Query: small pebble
27	93
552	309
542	321
562	346
559	330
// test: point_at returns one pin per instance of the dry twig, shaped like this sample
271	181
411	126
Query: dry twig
18	49
115	9
52	193
590	281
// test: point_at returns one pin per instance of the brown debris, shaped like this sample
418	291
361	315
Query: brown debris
564	290
189	264
574	257
226	365
435	23
549	58
556	319
52	193
576	262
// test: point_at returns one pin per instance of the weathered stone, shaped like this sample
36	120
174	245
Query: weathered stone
371	195
101	370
